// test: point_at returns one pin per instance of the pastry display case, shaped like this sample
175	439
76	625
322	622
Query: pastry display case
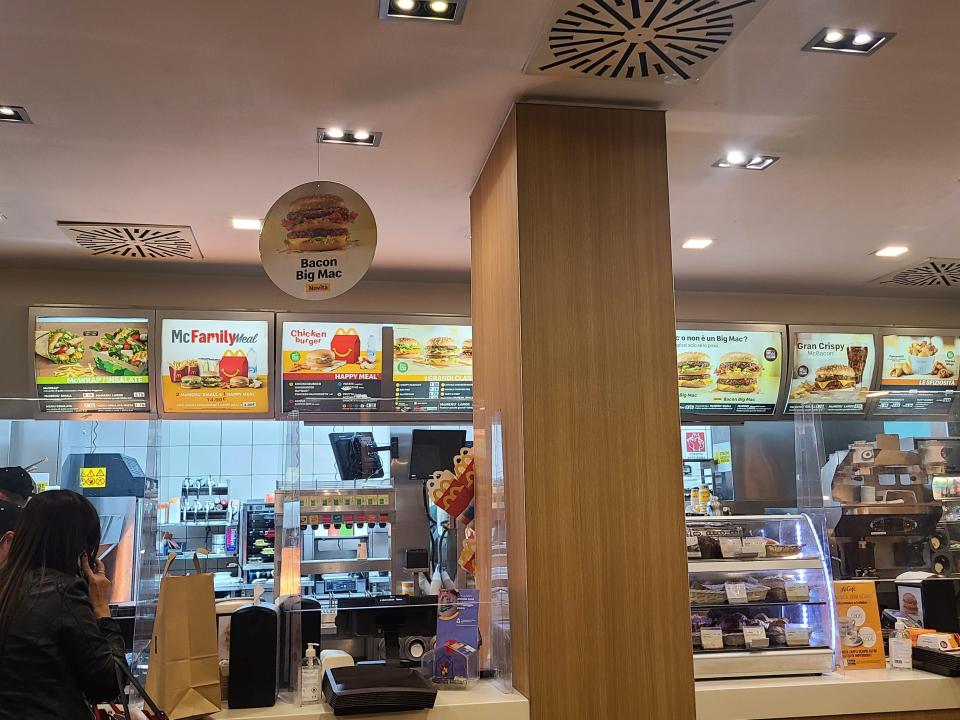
761	597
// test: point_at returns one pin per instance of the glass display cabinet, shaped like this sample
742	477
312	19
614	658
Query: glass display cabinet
761	597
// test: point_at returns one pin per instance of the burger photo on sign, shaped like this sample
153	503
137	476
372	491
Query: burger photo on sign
318	240
693	370
738	372
318	223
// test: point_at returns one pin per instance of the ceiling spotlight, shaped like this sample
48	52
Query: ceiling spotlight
246	223
738	159
892	251
14	114
697	243
845	40
340	136
735	157
425	10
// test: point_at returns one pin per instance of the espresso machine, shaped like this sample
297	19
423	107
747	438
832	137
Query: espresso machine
883	513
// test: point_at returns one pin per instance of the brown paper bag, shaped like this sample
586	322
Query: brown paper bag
183	675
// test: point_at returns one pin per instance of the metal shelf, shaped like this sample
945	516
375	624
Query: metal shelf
755	565
730	606
340	566
772	648
198	523
208	556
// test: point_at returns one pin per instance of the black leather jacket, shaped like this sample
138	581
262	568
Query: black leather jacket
57	658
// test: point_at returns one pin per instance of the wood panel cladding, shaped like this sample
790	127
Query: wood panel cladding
914	715
573	315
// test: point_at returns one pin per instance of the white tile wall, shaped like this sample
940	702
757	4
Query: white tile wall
249	455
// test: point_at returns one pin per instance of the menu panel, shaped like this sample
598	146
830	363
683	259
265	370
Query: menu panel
729	372
329	367
92	364
832	371
433	368
215	366
921	368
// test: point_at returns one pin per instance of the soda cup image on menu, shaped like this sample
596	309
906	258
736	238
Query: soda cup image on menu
857	359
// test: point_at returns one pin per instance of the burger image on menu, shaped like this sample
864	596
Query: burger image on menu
318	223
738	372
406	347
693	370
319	359
441	351
834	377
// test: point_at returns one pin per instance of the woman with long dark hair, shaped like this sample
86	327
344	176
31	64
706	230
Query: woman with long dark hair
57	639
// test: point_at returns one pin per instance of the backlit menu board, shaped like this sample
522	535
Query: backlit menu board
329	367
215	366
729	371
433	368
919	372
832	369
92	364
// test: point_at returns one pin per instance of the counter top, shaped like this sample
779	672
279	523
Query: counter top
480	702
855	691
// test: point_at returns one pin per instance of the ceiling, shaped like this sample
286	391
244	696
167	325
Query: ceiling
187	113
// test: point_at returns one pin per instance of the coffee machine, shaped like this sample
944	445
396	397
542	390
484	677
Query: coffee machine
883	511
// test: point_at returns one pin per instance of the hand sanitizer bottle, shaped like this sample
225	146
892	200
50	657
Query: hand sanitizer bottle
310	677
901	649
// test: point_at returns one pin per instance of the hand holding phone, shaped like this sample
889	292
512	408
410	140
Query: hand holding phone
98	585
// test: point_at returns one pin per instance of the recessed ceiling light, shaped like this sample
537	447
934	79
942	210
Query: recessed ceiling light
246	223
738	159
14	113
697	243
891	251
339	136
845	40
432	10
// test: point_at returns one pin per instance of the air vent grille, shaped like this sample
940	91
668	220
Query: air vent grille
134	242
658	40
932	273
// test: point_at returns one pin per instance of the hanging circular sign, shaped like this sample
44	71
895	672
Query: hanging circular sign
318	240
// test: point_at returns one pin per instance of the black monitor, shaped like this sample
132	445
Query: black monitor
356	455
433	450
393	616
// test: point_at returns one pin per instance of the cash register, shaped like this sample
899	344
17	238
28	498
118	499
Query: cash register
388	686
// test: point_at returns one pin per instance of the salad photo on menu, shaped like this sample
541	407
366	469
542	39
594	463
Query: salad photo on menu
832	371
90	364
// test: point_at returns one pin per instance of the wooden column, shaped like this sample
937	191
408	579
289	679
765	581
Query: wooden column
574	345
